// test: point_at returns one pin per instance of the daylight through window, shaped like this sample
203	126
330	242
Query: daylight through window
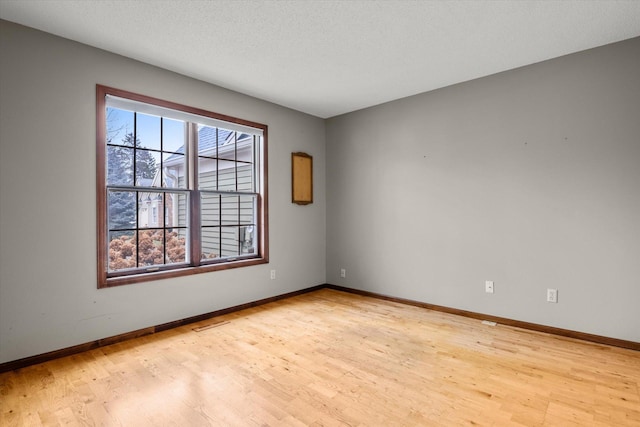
180	190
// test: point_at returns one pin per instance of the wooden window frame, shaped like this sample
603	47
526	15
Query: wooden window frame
195	265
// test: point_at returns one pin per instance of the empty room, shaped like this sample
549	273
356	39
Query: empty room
319	213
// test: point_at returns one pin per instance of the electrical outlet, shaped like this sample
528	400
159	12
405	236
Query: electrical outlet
273	274
343	272
552	295
488	286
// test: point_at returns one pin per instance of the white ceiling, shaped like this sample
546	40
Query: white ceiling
331	57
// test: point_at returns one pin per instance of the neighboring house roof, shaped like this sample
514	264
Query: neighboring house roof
207	141
207	137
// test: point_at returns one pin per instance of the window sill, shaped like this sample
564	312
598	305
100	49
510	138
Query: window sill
109	282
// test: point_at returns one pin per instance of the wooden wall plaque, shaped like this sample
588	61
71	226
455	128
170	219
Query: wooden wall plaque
301	178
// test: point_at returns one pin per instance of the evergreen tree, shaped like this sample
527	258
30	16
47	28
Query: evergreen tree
120	167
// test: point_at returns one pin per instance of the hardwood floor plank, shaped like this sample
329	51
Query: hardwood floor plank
330	358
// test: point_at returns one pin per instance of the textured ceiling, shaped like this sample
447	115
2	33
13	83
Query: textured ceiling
331	57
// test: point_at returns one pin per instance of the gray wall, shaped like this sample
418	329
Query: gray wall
530	178
48	294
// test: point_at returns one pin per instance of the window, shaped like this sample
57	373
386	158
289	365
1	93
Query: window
180	190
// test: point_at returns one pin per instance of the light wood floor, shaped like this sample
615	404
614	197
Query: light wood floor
330	358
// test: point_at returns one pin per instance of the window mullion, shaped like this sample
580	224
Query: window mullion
254	166
195	226
235	157
135	182
164	228
239	221
195	220
217	159
164	196
220	225
191	151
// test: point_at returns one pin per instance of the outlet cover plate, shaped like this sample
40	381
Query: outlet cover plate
488	286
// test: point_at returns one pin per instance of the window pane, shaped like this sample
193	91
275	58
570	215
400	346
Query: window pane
245	178
150	210
208	138
248	210
210	243
176	246
148	131
230	210
147	166
210	208
119	124
174	170
246	149
173	135
207	177
119	166
150	247
122	250
216	175
175	210
226	175
121	207
230	241
248	240
227	144
180	210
